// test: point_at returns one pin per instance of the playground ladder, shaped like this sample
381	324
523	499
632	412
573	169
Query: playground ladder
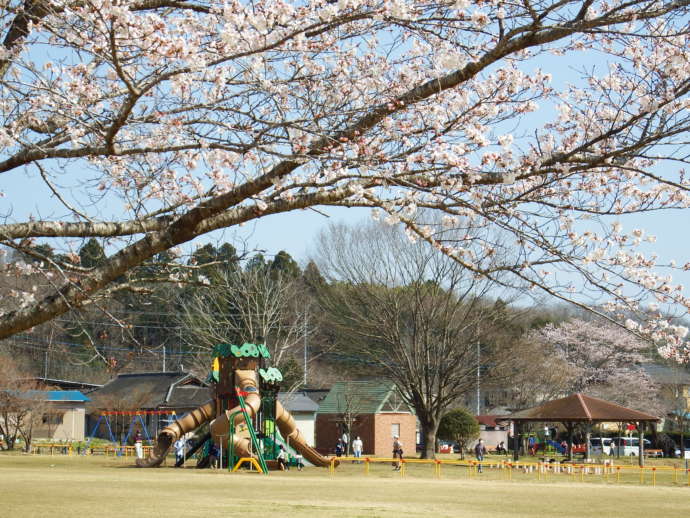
252	434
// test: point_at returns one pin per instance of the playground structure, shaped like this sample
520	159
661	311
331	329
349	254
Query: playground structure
244	415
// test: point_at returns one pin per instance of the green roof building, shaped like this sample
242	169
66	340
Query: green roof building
372	410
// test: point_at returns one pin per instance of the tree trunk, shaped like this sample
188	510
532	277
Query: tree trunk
429	438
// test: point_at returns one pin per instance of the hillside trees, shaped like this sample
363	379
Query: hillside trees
415	315
153	123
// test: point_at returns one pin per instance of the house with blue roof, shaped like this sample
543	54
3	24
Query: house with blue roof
64	415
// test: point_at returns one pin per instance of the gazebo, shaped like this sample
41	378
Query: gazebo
580	408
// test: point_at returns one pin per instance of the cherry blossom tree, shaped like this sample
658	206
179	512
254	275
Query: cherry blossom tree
599	359
154	122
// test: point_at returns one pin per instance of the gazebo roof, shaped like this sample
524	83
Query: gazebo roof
581	408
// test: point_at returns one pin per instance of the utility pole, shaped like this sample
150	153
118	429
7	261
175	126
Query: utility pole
163	358
46	360
479	390
304	335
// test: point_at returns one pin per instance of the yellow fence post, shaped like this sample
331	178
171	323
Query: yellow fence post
366	466
641	475
402	467
654	476
618	474
675	475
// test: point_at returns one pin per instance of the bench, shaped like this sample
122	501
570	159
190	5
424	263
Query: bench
653	453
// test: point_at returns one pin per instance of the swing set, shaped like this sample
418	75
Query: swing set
136	417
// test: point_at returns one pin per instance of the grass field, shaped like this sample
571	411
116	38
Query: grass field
99	487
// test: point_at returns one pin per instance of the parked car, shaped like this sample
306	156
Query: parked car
679	454
448	447
628	446
445	447
601	445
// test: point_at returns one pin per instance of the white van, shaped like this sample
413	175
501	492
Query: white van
601	445
628	446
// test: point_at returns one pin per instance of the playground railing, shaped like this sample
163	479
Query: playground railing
607	472
70	449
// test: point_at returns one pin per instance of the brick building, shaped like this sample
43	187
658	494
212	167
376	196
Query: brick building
372	410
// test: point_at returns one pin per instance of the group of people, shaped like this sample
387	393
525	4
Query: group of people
341	446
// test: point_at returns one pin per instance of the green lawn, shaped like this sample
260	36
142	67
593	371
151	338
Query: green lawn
85	487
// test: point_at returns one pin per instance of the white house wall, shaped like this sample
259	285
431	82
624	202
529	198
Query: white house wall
306	424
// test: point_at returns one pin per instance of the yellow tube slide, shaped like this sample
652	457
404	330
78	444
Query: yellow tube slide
295	439
171	433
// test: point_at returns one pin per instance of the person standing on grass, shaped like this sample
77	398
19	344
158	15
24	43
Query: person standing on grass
283	459
139	445
357	446
479	452
213	456
179	449
397	453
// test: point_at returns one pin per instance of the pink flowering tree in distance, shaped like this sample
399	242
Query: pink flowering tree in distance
154	122
600	360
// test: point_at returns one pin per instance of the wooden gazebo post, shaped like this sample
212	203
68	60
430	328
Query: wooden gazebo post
640	446
516	440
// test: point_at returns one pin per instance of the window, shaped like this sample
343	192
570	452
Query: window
395	430
52	419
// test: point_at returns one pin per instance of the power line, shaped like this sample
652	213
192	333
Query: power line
32	343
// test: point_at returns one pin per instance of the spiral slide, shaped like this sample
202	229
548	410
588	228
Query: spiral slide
171	433
295	438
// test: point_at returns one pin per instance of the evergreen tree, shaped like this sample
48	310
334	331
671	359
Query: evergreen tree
284	264
312	277
256	262
91	254
459	425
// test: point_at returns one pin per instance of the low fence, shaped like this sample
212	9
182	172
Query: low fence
502	469
556	471
69	449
